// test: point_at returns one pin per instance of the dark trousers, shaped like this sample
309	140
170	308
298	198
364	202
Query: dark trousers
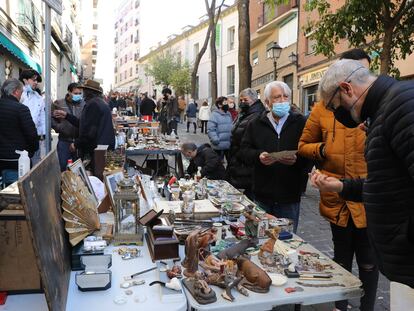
347	242
172	125
222	154
204	126
281	210
195	126
64	154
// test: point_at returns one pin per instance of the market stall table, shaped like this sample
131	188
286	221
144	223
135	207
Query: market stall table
178	167
349	288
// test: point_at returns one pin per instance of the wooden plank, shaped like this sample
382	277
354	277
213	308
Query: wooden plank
40	193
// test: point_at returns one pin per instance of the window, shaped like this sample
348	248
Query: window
230	79
120	77
231	32
288	33
288	79
255	58
130	55
116	79
196	50
130	72
136	69
210	83
310	45
268	53
125	74
94	52
120	61
125	59
132	38
95	26
179	57
310	96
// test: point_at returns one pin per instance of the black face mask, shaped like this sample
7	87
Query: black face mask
344	116
225	108
244	107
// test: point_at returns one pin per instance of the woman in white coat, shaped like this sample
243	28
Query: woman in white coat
204	116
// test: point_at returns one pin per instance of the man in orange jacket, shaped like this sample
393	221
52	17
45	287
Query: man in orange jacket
339	152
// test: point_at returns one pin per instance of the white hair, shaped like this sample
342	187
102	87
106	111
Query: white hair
249	92
280	85
10	86
341	70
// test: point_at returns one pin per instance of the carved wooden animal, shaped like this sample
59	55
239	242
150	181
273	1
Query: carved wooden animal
256	279
237	249
269	245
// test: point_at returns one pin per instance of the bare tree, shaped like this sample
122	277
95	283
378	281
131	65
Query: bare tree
201	52
245	68
213	19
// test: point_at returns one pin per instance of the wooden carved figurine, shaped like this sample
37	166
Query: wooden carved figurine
255	278
268	246
190	262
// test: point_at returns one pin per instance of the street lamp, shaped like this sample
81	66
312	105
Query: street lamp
293	58
274	50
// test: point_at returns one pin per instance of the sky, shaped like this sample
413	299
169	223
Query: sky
158	20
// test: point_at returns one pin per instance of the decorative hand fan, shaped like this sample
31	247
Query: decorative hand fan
79	212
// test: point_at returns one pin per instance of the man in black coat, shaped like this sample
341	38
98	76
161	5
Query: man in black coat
147	106
239	174
355	95
18	131
95	124
204	157
277	183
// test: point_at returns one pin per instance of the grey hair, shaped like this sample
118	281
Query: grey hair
348	69
279	84
188	147
251	93
10	86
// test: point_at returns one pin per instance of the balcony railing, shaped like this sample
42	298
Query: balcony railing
68	37
28	20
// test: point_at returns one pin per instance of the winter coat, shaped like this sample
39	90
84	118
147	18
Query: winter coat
18	131
171	107
204	113
277	182
147	107
233	113
36	105
344	158
191	111
219	129
388	190
95	126
209	161
238	173
67	131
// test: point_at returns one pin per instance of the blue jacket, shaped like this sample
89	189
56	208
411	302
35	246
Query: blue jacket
191	110
219	129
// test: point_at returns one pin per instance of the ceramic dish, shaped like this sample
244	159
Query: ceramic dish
278	279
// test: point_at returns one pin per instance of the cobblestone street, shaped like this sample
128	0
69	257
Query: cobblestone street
316	231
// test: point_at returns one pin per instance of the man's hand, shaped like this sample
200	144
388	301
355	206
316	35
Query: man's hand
325	183
72	148
59	114
288	160
266	159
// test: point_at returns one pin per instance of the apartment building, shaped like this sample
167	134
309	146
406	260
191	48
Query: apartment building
89	27
127	46
187	46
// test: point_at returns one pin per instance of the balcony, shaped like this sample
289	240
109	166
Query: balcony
68	38
28	20
137	3
116	40
136	40
270	19
136	22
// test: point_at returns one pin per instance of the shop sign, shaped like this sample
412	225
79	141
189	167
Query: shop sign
262	79
313	77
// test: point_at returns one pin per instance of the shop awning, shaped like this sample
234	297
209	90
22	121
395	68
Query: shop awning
16	51
73	69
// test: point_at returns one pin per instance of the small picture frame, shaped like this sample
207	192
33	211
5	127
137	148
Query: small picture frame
110	180
78	168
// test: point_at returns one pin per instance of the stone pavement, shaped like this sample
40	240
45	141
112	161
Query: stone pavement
316	231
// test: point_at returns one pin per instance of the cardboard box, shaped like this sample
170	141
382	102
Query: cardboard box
18	266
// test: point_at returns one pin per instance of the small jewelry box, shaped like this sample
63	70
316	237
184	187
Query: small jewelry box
96	275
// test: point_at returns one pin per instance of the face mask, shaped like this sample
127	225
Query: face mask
281	109
77	97
244	107
344	116
225	108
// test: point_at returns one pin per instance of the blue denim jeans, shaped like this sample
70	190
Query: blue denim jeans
282	210
64	154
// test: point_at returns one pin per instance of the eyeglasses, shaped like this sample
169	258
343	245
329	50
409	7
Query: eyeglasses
330	106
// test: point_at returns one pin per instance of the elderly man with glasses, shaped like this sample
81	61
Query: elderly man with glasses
277	181
356	95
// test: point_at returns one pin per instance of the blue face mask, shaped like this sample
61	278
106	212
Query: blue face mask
77	97
281	109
